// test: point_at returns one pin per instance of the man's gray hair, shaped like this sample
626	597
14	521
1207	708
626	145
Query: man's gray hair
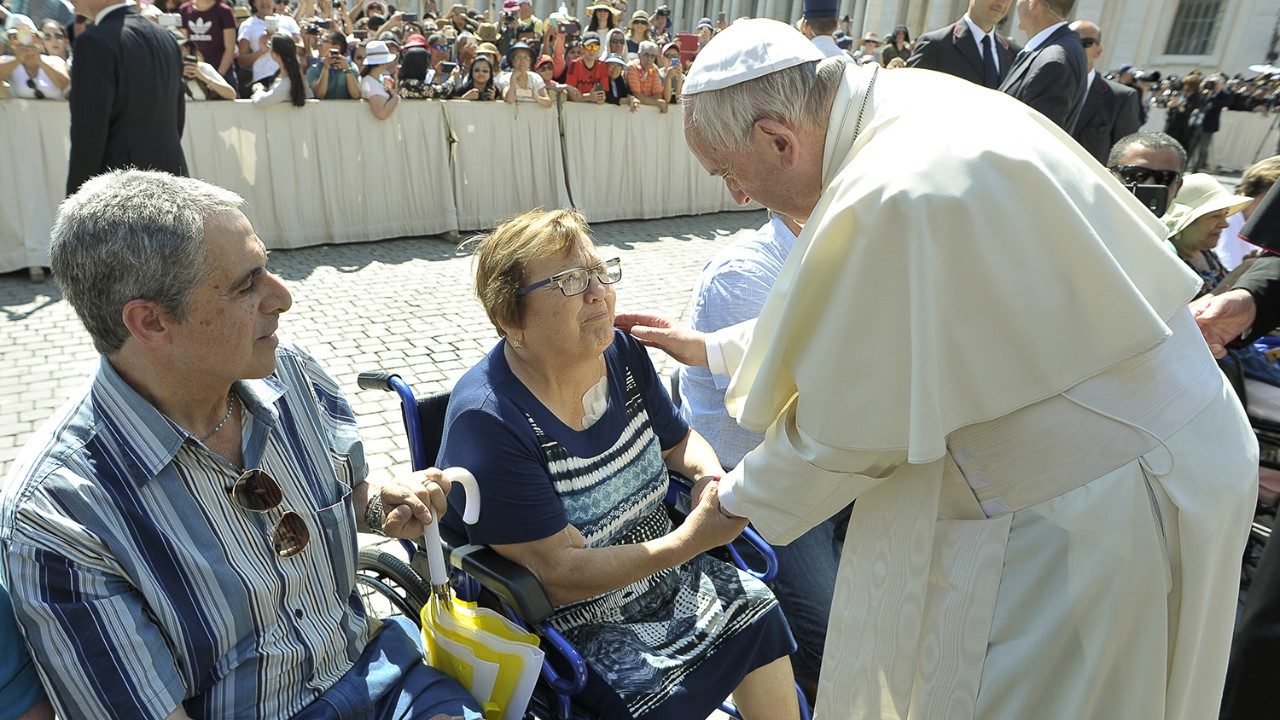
1152	140
128	235
648	46
800	96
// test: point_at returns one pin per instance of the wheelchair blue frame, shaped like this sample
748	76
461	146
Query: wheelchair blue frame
468	588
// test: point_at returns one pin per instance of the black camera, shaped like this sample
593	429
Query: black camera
508	17
324	24
313	29
1152	76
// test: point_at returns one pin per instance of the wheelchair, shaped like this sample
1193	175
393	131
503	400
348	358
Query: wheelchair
478	573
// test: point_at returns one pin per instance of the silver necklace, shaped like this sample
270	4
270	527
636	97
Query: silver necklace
231	404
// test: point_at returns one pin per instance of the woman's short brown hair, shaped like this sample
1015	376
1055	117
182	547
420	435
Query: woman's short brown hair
1259	177
503	255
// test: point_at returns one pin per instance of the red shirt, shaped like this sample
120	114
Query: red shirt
585	78
205	28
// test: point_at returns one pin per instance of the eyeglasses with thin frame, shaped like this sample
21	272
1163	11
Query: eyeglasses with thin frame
575	280
1088	42
1138	175
256	491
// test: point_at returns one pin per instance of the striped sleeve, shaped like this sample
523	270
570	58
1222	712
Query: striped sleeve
99	652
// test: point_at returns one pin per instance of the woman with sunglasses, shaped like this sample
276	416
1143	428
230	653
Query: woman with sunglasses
31	72
570	433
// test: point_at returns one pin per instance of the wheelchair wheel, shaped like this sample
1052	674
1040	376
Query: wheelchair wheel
388	586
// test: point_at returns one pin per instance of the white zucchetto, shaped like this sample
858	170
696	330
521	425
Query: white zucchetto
746	50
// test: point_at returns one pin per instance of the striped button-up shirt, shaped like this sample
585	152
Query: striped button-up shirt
140	585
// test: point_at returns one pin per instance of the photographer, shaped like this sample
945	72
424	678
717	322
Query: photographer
254	38
202	79
672	73
377	83
509	27
335	77
479	83
289	85
587	75
30	71
211	25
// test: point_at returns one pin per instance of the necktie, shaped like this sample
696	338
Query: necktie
989	62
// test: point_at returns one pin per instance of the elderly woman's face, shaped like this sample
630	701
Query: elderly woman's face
1203	232
553	323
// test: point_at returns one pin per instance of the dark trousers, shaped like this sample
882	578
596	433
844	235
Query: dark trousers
1253	674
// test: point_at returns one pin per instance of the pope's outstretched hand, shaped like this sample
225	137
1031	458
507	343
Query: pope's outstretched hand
681	342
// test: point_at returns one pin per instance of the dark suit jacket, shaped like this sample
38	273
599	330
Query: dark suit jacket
1109	113
1051	78
1262	280
952	50
127	104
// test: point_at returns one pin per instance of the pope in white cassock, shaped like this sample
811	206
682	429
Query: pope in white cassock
979	337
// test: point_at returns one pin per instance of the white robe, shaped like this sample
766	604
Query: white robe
980	337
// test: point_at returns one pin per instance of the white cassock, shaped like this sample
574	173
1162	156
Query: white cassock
980	337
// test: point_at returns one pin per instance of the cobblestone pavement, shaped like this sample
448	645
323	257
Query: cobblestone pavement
402	305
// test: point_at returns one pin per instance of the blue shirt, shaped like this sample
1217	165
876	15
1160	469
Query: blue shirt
488	431
19	684
731	289
141	585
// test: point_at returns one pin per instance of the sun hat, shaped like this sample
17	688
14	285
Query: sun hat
543	60
516	48
640	16
488	48
616	59
487	32
415	41
1200	195
377	53
591	37
871	36
603	6
705	23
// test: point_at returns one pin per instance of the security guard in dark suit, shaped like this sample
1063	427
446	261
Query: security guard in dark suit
969	48
127	104
1111	110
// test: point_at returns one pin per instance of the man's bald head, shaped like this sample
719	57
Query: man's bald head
1091	35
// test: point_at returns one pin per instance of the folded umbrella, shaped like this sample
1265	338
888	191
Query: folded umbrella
496	660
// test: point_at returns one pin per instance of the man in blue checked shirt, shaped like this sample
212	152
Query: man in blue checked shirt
731	289
180	539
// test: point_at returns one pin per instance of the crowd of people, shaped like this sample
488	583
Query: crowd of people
179	542
271	52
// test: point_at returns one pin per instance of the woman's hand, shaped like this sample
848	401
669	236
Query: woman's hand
635	103
472	94
709	525
189	71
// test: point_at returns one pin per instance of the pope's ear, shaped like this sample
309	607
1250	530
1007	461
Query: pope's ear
774	136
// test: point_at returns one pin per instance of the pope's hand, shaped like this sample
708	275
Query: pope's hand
681	342
1224	318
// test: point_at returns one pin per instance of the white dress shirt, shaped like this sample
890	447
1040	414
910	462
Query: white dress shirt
1043	35
978	34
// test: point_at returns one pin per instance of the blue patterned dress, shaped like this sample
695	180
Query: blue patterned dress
671	645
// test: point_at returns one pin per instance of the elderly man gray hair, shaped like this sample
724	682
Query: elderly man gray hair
180	539
969	283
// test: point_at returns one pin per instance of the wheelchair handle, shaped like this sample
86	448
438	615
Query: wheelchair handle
438	570
376	380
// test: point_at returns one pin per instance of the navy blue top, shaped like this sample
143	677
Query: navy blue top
487	431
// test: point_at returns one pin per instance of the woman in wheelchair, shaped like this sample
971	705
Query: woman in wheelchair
570	434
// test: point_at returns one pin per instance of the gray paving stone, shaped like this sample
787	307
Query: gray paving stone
406	305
